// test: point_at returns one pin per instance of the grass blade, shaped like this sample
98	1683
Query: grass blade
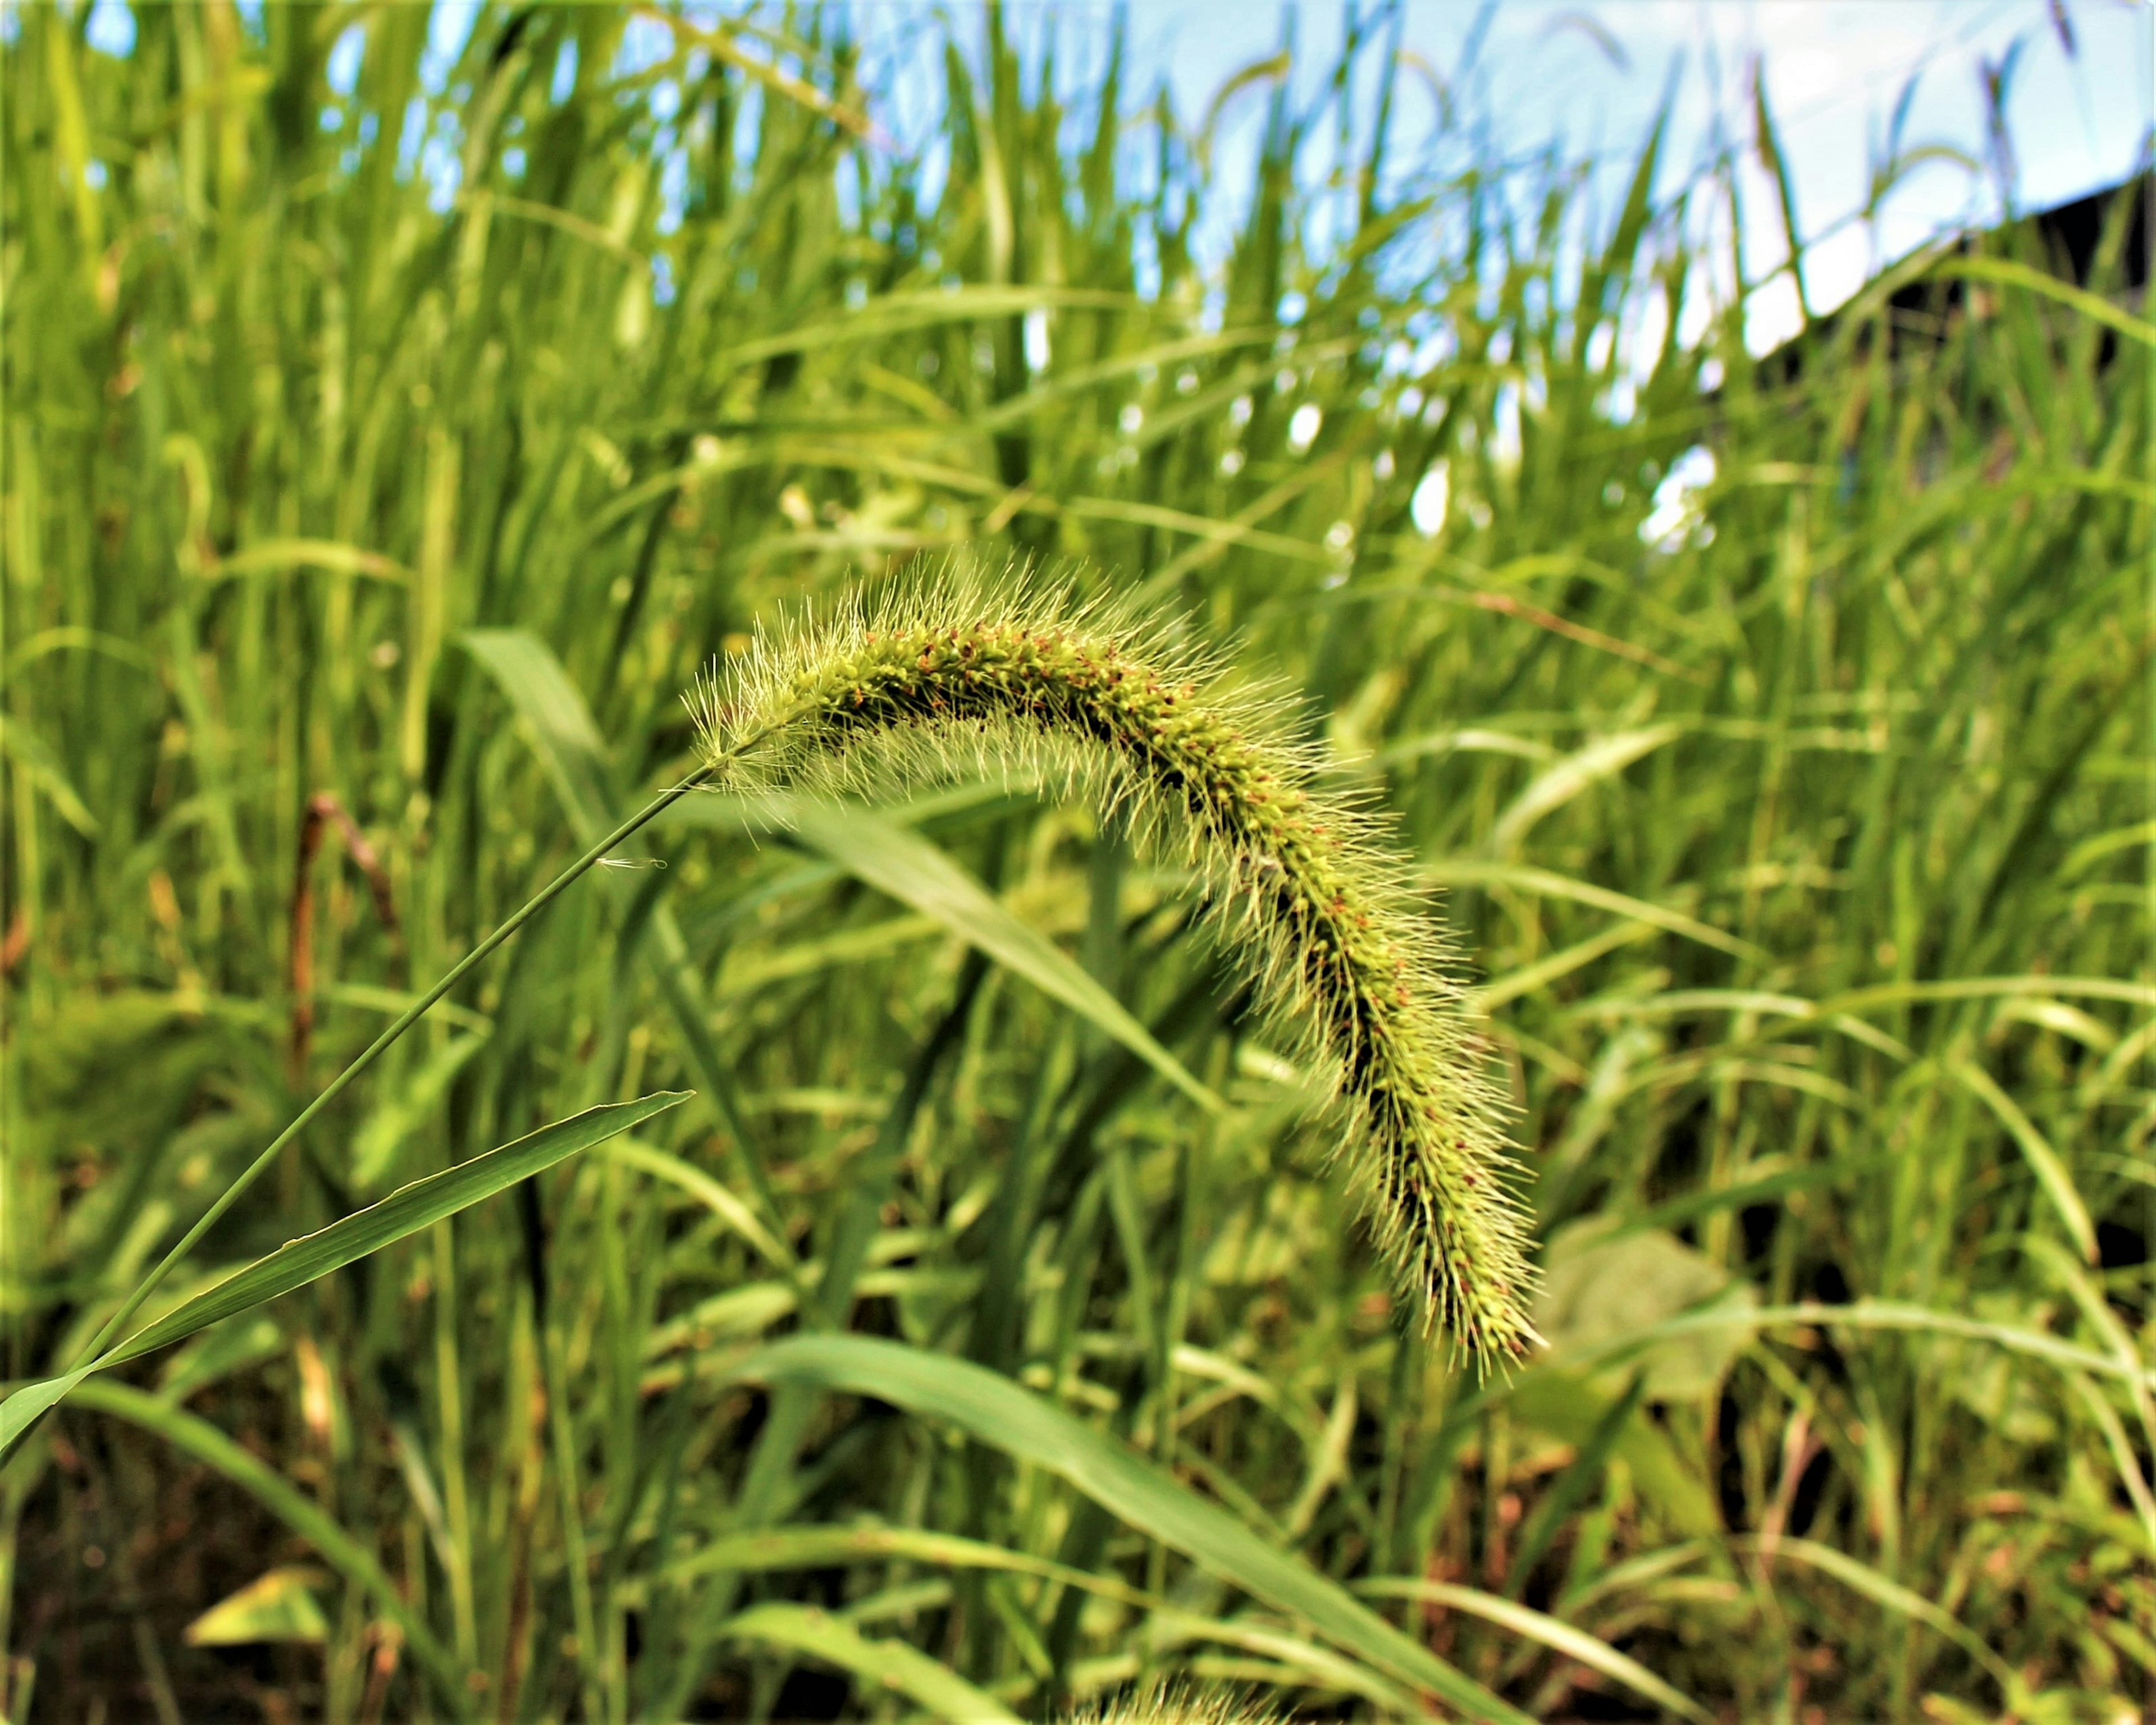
402	1213
915	872
1474	871
997	1412
1863	1578
196	1437
2042	1159
298	1262
566	741
1557	785
1553	1633
880	1664
2009	272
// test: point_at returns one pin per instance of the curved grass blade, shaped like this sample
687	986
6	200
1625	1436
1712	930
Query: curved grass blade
2009	272
649	1159
1479	871
1557	785
915	872
1864	1315
816	1547
563	734
880	1664
1553	1633
996	1412
298	1262
885	852
2042	1159
33	758
567	742
196	1437
1862	1578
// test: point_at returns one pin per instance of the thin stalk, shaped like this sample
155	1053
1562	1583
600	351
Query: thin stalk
456	1496
576	1557
412	1016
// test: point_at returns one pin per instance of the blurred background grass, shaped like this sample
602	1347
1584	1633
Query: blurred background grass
1780	735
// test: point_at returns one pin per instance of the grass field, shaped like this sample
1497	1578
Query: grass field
989	1336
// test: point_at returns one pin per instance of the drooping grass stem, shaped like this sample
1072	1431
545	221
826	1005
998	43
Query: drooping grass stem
404	1021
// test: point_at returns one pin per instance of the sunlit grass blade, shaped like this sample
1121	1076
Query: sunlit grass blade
400	1215
913	871
404	1213
882	1664
1474	871
996	1412
1553	1633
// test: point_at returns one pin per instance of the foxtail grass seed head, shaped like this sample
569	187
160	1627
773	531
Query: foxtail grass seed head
966	673
1172	1704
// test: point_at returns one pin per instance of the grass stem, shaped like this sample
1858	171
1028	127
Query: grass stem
404	1021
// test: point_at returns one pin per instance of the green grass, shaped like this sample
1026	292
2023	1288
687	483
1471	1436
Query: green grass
1800	868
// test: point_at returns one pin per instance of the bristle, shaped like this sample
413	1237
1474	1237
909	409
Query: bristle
966	675
1170	1704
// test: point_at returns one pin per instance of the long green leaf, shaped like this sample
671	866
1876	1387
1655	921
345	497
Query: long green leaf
1552	788
914	871
2009	272
1001	1414
631	1152
194	1436
297	1262
825	1547
567	742
403	1213
1477	871
880	1664
816	1547
1553	1633
34	757
2035	1149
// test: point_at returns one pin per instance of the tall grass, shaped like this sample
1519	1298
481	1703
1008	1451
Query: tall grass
948	1352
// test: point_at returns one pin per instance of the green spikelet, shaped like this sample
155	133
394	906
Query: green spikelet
1167	1704
963	675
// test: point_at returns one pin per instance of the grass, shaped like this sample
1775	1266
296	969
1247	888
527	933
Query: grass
1798	859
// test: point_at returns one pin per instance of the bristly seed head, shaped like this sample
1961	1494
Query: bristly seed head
964	673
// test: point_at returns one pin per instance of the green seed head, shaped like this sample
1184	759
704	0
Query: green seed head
968	674
1166	1704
